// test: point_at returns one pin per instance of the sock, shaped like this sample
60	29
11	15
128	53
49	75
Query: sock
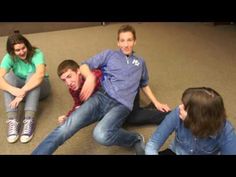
29	114
12	115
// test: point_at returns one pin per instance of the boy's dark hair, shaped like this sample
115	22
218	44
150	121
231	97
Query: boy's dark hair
65	65
126	28
205	111
19	39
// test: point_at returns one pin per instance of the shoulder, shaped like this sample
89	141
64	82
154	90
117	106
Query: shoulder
106	54
109	52
38	52
7	58
38	56
228	127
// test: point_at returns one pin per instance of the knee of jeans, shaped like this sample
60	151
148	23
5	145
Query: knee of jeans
102	136
9	79
36	89
63	132
29	76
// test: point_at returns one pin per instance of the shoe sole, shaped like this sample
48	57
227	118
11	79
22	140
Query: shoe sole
14	140
27	139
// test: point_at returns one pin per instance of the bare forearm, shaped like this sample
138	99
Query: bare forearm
85	71
33	82
148	92
89	84
35	79
158	105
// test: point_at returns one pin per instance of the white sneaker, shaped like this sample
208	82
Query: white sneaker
28	130
13	133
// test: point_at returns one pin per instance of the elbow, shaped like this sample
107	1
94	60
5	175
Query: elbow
40	76
85	70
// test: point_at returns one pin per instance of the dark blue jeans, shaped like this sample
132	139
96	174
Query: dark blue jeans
141	116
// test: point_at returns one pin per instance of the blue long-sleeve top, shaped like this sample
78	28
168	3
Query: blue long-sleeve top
185	143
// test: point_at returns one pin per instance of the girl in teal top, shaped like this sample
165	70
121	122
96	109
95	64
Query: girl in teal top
22	78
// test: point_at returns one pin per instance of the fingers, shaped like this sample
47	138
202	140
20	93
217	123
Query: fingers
85	94
61	119
165	108
88	88
19	92
13	104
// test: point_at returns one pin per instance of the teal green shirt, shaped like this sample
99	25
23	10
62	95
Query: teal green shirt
19	67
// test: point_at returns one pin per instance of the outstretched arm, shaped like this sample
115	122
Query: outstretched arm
161	107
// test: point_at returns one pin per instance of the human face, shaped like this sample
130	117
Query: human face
71	79
182	112
126	42
21	51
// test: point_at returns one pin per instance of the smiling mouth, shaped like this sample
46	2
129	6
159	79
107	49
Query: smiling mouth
22	56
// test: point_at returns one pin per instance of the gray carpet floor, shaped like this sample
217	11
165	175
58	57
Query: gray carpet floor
178	56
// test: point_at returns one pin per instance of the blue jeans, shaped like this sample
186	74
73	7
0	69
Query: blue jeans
100	107
33	96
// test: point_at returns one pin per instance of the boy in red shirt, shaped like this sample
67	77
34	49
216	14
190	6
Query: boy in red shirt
69	73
